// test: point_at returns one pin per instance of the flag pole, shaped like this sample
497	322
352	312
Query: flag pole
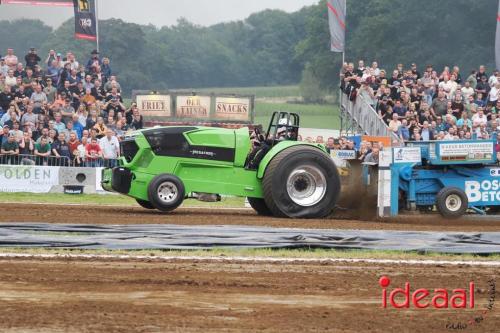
97	24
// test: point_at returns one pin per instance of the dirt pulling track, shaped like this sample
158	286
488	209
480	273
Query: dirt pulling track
201	295
77	214
193	296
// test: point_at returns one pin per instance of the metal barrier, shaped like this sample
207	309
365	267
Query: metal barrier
21	159
362	117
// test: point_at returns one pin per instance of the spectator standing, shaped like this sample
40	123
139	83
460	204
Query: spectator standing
426	133
110	148
439	105
100	128
3	67
53	72
27	145
32	58
373	156
6	98
61	149
42	151
38	97
93	154
106	69
93	62
73	144
11	59
403	131
10	79
59	125
79	155
10	150
50	91
137	121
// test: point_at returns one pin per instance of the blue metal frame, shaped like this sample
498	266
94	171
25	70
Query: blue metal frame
478	175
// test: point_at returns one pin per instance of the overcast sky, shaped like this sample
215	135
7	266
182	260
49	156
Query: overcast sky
159	12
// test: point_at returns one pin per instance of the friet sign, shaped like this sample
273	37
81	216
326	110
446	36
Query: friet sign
31	179
154	105
231	108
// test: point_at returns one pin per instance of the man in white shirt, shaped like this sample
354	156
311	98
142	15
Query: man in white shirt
467	91
11	59
479	118
110	148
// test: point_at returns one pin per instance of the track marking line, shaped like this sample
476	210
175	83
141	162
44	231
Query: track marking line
409	262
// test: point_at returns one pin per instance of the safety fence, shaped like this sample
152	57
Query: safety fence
57	161
364	117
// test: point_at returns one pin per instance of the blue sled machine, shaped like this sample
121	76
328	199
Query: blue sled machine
453	176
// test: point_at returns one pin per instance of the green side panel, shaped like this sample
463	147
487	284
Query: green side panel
139	186
243	146
278	149
211	137
219	179
106	179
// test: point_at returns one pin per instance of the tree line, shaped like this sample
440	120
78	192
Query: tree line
273	47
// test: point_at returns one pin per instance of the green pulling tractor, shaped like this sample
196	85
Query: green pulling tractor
280	176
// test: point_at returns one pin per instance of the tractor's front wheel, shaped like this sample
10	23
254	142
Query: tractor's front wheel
145	204
259	205
166	192
301	182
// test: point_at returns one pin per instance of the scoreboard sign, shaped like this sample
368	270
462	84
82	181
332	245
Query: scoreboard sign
154	105
196	107
231	108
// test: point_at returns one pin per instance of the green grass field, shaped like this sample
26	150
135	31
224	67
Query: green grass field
105	200
311	115
263	253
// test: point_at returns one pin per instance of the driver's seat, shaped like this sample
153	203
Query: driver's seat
283	126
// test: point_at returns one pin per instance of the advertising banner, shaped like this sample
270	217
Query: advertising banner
343	154
196	107
231	108
154	105
466	151
85	20
33	179
407	155
57	3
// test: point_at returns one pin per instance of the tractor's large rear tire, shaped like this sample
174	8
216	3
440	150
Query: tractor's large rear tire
259	205
452	202
166	192
301	182
145	204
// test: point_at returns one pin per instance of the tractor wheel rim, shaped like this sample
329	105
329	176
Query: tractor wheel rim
306	186
453	203
167	192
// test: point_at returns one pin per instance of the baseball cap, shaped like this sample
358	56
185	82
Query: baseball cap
59	54
6	126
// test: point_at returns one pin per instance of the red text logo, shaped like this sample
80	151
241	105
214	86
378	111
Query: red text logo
422	298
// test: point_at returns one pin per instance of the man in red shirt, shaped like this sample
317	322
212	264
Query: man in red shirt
93	154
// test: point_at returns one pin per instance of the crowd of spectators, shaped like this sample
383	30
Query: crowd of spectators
58	110
429	105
